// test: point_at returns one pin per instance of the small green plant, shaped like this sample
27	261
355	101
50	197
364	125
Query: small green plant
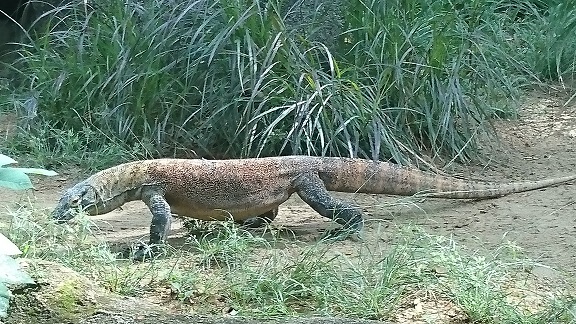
126	278
10	273
76	246
38	236
17	178
195	285
285	285
184	286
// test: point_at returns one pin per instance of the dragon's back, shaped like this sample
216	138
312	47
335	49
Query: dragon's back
244	187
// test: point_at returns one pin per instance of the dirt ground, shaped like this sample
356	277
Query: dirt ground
540	144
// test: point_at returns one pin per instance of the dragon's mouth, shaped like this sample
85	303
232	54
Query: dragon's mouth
62	217
61	221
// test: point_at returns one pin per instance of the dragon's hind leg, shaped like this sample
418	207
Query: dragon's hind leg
312	190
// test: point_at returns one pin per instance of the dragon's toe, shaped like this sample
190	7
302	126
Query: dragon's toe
148	252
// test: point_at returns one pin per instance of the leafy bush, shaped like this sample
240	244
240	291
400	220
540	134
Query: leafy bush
236	78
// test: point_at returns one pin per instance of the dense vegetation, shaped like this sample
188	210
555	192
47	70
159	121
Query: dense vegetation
235	78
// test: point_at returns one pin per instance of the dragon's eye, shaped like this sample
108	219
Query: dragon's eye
75	201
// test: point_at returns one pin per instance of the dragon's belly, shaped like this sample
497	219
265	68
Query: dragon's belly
239	207
221	214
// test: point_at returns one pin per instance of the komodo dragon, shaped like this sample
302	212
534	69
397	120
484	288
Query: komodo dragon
250	190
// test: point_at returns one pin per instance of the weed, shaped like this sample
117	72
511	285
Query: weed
285	284
76	246
192	285
377	281
127	278
40	237
485	286
222	244
184	285
52	147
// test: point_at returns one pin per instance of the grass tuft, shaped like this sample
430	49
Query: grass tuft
221	244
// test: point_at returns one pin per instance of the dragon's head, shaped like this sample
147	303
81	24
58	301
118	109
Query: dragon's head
80	198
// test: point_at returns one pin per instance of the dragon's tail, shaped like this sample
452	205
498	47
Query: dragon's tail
356	175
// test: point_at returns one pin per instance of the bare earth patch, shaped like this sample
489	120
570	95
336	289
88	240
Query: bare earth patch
540	144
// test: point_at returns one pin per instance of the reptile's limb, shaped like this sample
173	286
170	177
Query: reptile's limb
161	223
260	220
312	190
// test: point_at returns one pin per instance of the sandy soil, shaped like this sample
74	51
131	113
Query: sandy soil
540	144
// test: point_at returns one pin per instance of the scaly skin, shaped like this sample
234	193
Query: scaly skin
250	190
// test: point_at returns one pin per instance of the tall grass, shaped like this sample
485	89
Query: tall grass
237	78
551	47
431	66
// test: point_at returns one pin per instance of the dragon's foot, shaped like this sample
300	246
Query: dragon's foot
148	251
254	222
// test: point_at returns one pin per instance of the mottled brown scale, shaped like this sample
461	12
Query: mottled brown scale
356	175
244	189
214	190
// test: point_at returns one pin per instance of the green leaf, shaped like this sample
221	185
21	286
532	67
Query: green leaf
14	179
4	300
48	173
6	160
7	247
10	274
